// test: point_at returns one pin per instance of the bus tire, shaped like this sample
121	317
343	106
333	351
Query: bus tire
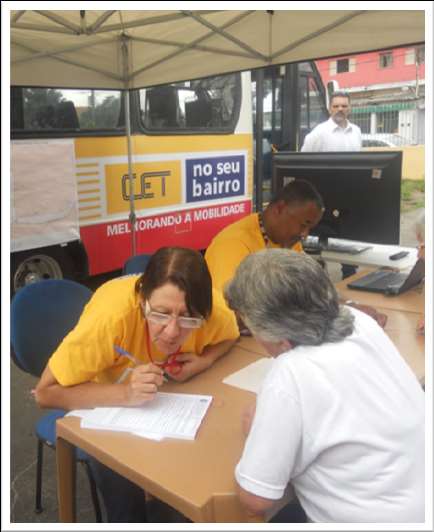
38	264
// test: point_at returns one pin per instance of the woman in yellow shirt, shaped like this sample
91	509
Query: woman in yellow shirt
133	330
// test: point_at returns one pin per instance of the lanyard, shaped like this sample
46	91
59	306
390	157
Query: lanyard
262	229
171	363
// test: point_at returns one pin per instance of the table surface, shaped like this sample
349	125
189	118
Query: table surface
165	469
377	256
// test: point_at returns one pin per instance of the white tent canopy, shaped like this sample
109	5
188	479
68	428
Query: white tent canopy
89	48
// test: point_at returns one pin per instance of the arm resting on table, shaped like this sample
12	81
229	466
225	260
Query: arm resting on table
142	387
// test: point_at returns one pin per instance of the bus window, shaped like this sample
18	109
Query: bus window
41	109
210	105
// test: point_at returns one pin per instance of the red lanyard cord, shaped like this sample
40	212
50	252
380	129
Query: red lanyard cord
171	363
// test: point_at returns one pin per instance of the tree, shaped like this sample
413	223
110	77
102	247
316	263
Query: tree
39	107
101	116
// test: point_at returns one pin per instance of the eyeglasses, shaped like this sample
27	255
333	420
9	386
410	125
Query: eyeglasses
163	319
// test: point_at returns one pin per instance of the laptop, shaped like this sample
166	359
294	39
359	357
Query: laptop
389	282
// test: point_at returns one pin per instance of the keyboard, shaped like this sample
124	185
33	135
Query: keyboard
352	249
381	279
312	245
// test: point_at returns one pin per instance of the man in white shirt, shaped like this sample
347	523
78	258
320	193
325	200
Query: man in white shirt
338	133
340	414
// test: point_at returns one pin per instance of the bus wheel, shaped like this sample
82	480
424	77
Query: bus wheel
27	268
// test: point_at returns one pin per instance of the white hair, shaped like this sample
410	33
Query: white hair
285	295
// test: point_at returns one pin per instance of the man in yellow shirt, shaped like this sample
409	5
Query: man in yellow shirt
296	209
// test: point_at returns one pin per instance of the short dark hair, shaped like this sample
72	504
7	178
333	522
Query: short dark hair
299	191
186	269
339	94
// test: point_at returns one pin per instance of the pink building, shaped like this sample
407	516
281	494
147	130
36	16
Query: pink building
387	89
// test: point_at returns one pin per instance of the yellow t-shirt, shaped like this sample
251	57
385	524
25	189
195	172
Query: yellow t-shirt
232	245
114	316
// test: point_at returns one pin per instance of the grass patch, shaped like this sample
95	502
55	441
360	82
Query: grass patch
412	194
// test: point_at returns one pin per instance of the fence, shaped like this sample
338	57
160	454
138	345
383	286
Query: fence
392	124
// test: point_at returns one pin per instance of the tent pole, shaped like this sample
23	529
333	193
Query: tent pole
132	216
258	135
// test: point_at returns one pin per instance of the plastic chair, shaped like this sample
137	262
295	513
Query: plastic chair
136	264
42	314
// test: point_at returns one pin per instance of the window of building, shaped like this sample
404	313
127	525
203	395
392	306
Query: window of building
386	60
413	54
342	65
410	56
387	121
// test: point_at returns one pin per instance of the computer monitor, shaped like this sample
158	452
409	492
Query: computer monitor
361	191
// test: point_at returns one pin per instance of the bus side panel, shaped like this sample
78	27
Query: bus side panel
110	243
186	189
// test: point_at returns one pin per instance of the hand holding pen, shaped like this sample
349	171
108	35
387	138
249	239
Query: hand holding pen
144	382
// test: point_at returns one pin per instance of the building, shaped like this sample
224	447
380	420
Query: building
387	90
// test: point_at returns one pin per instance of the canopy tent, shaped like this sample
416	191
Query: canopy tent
88	48
132	49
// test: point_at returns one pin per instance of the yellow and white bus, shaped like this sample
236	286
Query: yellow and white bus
192	166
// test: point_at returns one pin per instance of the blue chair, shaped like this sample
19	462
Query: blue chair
136	264
42	314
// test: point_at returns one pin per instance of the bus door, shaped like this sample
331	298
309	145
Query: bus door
291	102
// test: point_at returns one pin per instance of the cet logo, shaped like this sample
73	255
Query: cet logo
155	184
145	185
215	177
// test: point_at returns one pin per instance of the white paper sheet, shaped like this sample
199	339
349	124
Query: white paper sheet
169	415
78	413
251	377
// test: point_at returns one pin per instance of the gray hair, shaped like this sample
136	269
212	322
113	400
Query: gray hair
420	226
339	94
285	295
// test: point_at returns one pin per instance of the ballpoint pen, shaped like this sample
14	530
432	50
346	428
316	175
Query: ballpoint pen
130	357
124	353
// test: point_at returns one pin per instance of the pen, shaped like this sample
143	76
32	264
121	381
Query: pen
131	357
124	353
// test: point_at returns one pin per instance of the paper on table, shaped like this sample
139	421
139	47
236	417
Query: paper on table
169	415
78	413
85	413
250	378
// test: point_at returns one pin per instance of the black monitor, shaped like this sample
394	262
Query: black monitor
361	191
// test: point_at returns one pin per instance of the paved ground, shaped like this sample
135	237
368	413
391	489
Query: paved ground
24	414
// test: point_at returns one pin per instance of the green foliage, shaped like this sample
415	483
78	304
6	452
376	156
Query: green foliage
104	115
412	194
39	107
59	109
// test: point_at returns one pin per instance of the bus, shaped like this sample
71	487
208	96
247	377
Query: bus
195	165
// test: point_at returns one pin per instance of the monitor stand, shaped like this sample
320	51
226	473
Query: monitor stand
323	242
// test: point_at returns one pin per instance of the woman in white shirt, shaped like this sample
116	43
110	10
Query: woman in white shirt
340	415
